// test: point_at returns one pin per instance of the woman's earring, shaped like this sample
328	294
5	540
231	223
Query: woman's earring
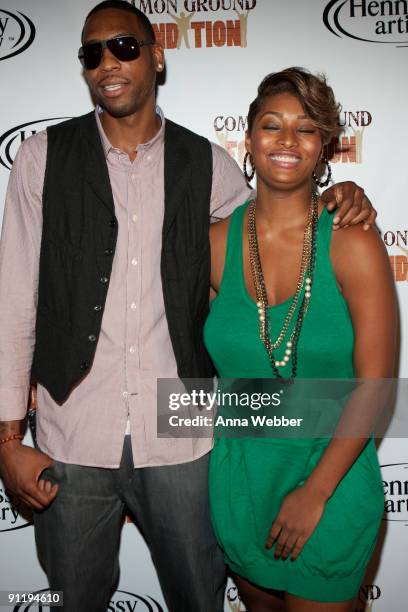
248	177
324	183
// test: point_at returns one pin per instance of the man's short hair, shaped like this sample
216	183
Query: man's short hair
123	5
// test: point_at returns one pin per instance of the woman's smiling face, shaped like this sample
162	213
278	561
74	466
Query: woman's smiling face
284	142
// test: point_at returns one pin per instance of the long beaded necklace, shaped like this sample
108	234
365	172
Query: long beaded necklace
305	279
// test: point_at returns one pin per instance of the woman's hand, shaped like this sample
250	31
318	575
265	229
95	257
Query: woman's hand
298	517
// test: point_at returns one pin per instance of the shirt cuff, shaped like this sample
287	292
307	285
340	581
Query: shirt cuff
13	404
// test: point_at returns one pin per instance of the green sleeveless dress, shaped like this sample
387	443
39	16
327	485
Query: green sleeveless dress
250	477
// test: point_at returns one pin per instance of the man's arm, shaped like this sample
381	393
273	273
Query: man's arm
230	189
19	262
21	466
352	204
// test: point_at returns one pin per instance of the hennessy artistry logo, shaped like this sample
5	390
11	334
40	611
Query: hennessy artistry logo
371	21
12	139
17	32
395	482
10	519
123	601
190	23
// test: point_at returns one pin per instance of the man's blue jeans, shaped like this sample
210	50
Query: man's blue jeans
78	535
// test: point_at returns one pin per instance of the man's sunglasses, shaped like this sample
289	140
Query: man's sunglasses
124	48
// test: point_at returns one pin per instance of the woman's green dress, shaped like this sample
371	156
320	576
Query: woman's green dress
250	477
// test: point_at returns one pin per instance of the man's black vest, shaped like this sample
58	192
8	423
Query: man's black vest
78	244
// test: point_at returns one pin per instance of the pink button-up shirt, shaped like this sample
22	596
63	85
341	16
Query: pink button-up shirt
134	348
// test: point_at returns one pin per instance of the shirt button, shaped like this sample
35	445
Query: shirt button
134	261
92	338
134	218
97	307
132	349
108	251
133	176
133	305
104	280
125	394
149	157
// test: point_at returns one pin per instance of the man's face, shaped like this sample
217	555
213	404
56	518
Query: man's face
122	88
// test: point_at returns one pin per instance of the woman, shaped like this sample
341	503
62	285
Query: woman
319	503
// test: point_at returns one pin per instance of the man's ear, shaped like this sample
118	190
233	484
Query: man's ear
158	55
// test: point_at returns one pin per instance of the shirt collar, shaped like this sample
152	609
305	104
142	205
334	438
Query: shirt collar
155	142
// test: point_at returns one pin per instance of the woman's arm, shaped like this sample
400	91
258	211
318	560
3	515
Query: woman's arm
364	276
218	244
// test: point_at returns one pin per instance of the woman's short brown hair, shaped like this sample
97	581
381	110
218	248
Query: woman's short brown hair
315	95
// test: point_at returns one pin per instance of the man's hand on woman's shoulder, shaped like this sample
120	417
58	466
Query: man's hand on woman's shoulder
353	206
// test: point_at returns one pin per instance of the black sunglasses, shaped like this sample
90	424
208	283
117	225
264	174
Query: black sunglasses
124	48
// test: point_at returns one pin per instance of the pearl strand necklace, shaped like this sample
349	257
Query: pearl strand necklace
260	289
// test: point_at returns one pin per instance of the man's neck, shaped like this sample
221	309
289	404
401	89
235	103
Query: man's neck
126	133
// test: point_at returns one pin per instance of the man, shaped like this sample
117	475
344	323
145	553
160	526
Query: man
104	284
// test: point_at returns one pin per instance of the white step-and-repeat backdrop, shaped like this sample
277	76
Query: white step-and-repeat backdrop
217	52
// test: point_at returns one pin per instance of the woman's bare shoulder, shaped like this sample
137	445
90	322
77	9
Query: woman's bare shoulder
356	252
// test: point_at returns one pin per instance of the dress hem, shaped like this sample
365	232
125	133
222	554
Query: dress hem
314	588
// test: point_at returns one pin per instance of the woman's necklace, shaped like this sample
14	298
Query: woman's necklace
305	279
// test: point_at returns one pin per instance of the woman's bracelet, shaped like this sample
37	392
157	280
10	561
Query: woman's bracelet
12	437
